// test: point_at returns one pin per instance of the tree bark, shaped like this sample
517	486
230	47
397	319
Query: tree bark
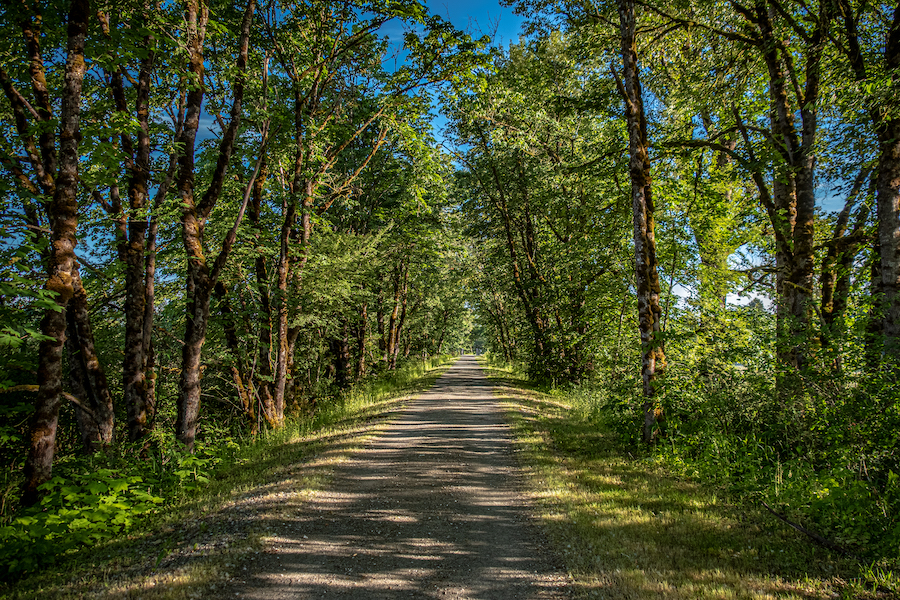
63	216
791	203
888	211
264	378
201	278
647	278
361	329
134	368
887	129
95	425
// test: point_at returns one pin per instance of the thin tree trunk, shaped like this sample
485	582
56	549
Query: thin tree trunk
834	279
875	324
135	390
379	324
282	269
132	229
264	371
340	350
96	426
150	286
361	329
646	264
233	345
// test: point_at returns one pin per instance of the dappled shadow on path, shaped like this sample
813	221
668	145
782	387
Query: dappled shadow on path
431	509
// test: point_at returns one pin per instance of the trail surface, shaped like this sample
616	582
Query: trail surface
432	508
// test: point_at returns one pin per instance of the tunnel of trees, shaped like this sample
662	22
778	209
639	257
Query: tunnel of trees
217	215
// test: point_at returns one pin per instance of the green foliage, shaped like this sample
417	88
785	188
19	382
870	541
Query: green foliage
100	497
83	509
104	496
832	468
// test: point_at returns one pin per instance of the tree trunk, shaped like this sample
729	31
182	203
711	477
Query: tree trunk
232	343
188	407
263	381
96	427
887	128
875	324
135	391
647	278
361	328
201	278
283	268
379	324
837	265
149	366
888	210
791	205
188	404
398	313
340	351
63	216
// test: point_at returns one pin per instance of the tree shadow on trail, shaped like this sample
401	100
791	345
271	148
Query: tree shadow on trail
432	509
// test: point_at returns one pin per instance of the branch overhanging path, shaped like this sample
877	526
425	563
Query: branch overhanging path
432	508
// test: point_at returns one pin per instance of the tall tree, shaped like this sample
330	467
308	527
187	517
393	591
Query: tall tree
878	70
202	276
646	264
54	160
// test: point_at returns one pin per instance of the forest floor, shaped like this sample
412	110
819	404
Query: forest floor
441	495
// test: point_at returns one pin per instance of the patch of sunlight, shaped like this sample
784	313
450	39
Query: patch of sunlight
627	530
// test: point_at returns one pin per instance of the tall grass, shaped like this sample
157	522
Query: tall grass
688	512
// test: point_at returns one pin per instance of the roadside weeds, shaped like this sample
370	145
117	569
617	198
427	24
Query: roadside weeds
627	529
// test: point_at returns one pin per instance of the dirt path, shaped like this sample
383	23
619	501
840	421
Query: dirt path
432	508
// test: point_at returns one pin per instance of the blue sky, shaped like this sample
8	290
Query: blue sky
477	17
480	17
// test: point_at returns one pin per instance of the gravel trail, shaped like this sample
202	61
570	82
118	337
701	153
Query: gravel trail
431	508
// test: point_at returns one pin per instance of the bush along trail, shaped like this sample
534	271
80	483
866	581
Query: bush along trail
627	524
101	533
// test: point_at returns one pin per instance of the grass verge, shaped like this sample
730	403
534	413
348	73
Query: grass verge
627	529
193	547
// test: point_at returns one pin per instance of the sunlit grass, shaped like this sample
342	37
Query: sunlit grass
625	528
162	559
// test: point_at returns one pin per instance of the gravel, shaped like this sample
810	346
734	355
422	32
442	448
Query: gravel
434	507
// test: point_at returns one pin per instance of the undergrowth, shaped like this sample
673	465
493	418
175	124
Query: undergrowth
666	522
93	503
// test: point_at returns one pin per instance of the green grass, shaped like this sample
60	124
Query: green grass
193	545
625	528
